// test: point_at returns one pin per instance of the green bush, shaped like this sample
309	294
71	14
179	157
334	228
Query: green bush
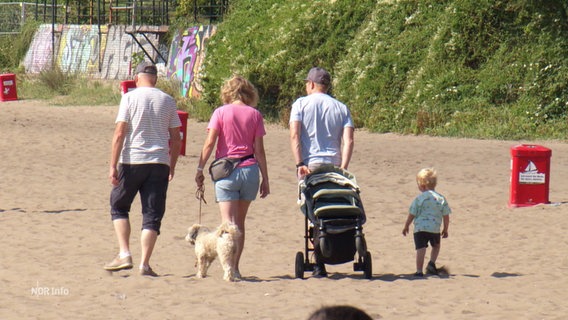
274	43
439	67
13	48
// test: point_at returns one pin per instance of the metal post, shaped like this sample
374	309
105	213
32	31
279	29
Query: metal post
23	15
99	40
53	35
167	12
133	15
66	8
154	18
211	11
195	10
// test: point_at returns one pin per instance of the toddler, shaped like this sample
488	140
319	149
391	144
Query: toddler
428	210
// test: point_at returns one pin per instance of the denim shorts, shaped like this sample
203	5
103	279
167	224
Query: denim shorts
242	184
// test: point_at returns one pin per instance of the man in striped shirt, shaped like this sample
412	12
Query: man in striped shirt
145	148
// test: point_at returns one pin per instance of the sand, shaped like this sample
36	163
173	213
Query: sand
56	231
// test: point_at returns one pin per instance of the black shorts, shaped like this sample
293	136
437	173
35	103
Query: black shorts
151	180
422	238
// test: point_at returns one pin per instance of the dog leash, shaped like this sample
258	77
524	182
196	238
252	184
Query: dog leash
200	195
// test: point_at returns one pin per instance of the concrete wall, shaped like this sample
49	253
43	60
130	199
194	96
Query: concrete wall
39	55
107	53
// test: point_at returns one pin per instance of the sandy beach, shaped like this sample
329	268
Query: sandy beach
56	231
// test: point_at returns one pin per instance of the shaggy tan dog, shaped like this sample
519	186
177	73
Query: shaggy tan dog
208	245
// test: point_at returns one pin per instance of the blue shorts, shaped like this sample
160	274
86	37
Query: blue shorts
422	238
242	184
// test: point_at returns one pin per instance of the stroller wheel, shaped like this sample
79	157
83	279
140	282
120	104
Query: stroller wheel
368	266
299	265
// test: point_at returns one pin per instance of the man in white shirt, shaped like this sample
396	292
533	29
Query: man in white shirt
145	149
321	132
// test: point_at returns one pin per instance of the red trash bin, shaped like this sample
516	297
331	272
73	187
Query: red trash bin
183	130
127	86
8	91
530	175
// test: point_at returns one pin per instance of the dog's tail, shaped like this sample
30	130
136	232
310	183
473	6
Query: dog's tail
228	227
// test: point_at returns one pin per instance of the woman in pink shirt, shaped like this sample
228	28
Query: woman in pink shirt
238	129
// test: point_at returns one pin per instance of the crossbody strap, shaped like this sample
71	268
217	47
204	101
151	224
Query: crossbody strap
246	157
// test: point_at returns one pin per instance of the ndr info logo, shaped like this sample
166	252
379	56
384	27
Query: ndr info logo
49	291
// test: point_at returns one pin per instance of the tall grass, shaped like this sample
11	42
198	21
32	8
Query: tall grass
60	88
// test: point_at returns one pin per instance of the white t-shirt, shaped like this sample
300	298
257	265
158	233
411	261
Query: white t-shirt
322	121
149	113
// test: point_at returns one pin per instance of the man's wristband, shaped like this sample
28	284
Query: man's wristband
300	164
199	169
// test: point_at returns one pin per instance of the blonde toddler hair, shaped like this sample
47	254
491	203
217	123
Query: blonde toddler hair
239	88
427	178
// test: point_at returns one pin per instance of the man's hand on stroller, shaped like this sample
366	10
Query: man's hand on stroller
303	171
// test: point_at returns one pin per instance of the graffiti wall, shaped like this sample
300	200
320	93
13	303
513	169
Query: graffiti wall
186	57
79	49
40	52
117	54
85	49
107	52
119	49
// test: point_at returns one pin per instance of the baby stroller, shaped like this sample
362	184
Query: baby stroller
334	218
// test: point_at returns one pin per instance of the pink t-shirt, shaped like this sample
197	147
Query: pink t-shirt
238	127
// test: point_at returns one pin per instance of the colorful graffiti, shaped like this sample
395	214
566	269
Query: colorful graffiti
79	49
186	57
84	49
40	53
117	54
107	53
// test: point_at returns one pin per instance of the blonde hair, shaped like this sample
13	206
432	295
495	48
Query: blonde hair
239	88
427	178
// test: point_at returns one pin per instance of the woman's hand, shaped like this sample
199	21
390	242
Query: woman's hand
199	178
264	188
